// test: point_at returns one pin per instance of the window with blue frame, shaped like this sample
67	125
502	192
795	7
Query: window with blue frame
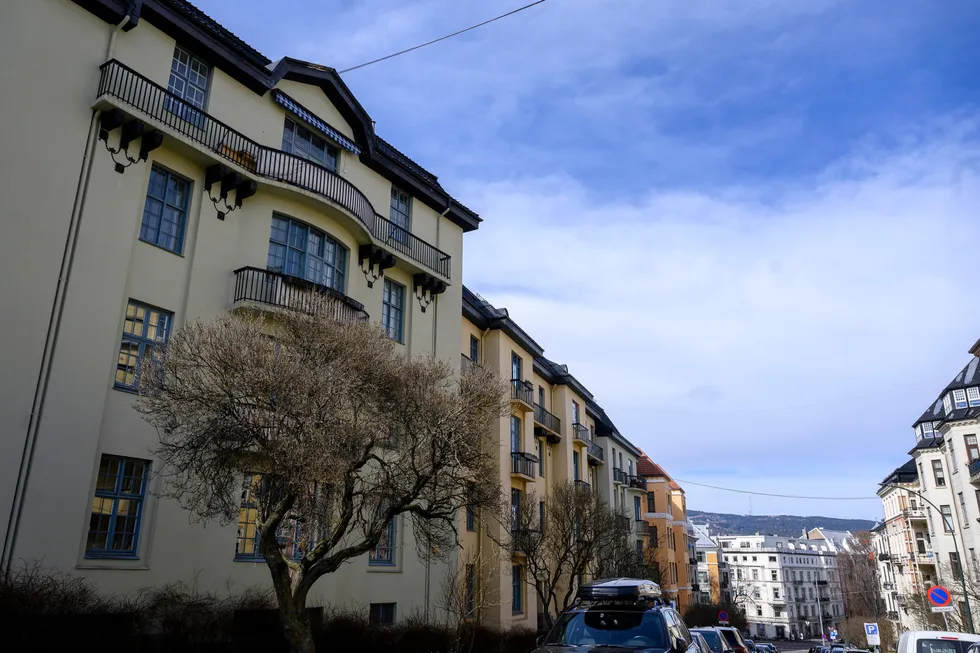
541	458
114	525
381	614
392	310
541	516
515	434
636	508
470	507
292	534
575	465
302	251
165	210
517	589
302	142
144	329
401	215
384	552
474	349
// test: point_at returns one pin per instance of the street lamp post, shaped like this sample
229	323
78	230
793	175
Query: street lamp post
956	547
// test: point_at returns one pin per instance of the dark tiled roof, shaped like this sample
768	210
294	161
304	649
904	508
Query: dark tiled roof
926	443
403	159
968	376
198	17
907	473
933	414
963	413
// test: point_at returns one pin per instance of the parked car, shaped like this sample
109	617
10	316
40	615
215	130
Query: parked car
734	638
700	641
623	613
750	644
935	641
716	640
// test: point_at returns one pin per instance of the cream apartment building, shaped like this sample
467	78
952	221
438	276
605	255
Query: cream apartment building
946	459
786	585
902	543
161	170
554	433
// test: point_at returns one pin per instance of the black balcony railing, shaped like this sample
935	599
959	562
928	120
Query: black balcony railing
522	391
638	482
974	469
466	363
126	85
584	486
520	540
595	452
546	419
623	522
619	476
284	291
523	463
581	432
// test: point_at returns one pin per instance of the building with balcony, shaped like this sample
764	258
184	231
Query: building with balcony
903	544
935	498
713	579
785	585
671	538
555	433
162	171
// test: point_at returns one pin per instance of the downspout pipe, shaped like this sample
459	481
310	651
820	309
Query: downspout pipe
53	331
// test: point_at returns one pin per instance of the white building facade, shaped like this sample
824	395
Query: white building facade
787	586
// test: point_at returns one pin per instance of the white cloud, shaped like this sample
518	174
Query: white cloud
689	314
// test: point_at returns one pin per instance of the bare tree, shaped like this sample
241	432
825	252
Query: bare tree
465	596
317	434
565	546
859	578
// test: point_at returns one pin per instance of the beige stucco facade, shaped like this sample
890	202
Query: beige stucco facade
63	316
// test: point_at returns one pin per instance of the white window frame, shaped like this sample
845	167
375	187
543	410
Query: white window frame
959	398
973	396
948	403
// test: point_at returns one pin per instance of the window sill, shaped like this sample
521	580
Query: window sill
166	249
126	389
249	558
111	556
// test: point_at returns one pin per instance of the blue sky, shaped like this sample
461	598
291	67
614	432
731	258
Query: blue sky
748	227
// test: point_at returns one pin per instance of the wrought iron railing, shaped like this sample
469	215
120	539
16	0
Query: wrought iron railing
619	476
595	451
546	419
638	482
522	391
284	291
974	468
584	486
523	464
128	86
520	540
581	432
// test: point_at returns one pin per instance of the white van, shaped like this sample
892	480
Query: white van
935	641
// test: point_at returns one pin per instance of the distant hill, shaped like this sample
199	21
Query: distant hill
788	525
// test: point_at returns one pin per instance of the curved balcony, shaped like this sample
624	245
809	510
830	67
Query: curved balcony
277	290
129	87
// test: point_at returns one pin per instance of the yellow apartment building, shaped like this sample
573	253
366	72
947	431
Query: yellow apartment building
671	537
554	433
162	170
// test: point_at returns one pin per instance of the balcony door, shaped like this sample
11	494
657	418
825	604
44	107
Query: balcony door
575	464
516	372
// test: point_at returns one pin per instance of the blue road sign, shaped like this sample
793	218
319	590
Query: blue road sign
939	596
870	629
722	616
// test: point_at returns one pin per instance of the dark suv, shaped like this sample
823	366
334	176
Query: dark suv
615	615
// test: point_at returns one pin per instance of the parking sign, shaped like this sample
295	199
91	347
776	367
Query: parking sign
871	632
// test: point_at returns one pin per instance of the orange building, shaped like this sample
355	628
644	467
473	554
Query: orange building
670	537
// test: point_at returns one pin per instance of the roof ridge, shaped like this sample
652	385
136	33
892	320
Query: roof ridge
230	37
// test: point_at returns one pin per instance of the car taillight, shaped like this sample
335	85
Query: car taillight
741	649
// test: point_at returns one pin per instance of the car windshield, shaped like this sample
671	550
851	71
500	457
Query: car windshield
713	639
632	629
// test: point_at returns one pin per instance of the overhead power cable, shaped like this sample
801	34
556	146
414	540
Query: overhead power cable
441	38
780	496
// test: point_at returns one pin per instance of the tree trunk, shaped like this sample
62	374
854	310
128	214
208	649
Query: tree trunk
296	627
